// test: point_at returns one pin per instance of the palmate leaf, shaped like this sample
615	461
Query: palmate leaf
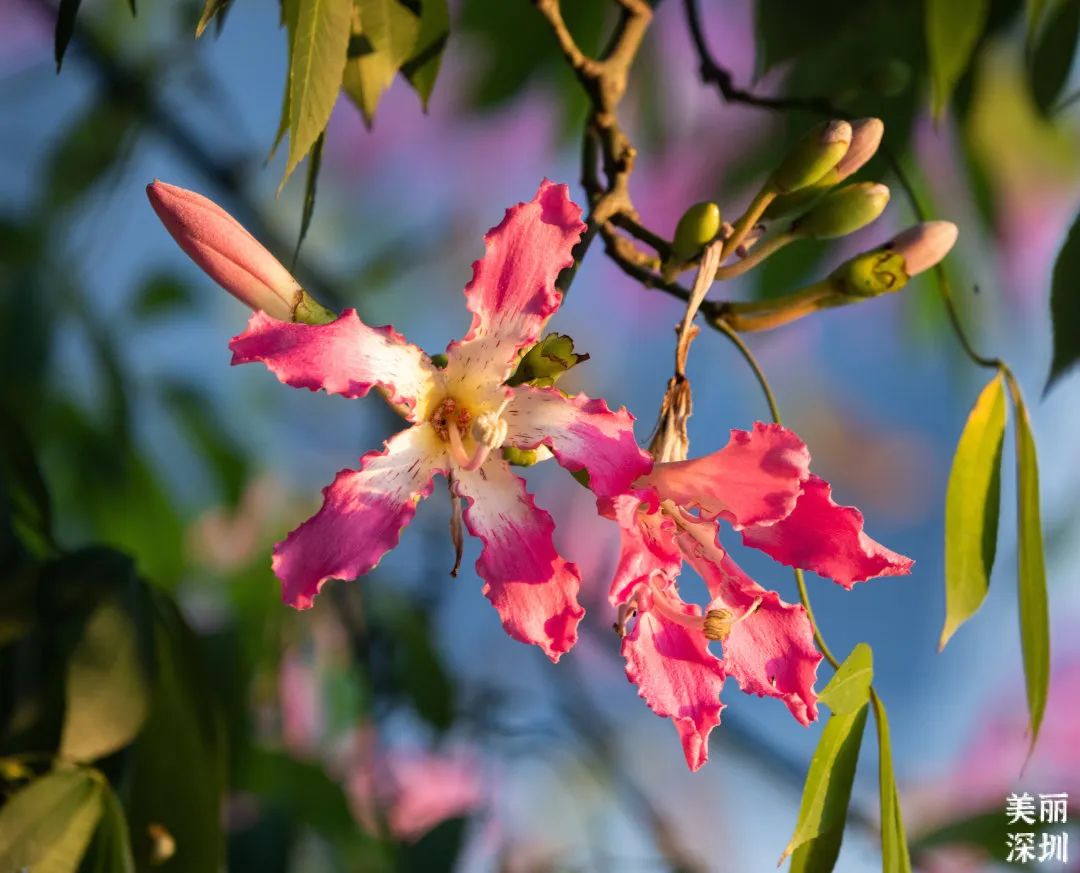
1065	306
972	504
1031	568
819	831
953	28
319	49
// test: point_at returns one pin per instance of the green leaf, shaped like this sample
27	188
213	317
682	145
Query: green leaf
310	184
1031	569
972	504
90	147
315	70
211	9
177	768
290	10
106	696
422	68
1052	56
384	37
46	826
110	851
894	848
827	792
1065	306
849	688
65	27
953	28
545	362
21	482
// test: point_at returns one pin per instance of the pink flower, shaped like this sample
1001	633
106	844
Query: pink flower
460	417
761	484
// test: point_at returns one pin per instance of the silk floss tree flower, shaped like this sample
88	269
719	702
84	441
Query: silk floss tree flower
460	417
761	485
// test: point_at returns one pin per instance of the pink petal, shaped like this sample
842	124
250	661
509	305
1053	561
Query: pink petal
534	590
581	433
677	676
362	515
648	543
512	293
821	536
756	478
344	357
771	652
227	253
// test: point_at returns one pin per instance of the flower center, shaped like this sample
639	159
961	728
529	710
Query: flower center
449	414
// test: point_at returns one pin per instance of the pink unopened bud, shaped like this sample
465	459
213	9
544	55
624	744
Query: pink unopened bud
228	254
866	134
924	245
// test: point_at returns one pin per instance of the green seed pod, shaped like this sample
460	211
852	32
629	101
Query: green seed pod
843	211
871	274
812	157
698	227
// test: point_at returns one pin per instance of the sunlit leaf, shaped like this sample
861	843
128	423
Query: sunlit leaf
895	857
46	826
211	9
827	792
1065	306
422	68
110	852
972	503
310	185
385	34
1052	56
106	697
65	27
318	60
1031	568
953	28
290	9
849	687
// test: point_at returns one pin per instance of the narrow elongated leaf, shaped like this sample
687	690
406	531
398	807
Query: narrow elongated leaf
1065	306
290	10
972	504
23	487
46	826
1031	569
849	687
953	28
65	27
110	851
895	857
318	60
211	10
422	68
385	36
1052	57
310	185
828	789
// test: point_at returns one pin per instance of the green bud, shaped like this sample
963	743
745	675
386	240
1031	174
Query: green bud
797	202
697	228
440	360
520	457
545	362
812	157
843	211
308	310
871	274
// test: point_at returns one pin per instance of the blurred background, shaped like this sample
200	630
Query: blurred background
395	726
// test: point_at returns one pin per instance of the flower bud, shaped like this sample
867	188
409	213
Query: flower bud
843	211
924	245
812	157
866	134
698	227
228	254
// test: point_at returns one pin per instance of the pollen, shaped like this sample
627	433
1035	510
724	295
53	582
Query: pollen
718	624
447	413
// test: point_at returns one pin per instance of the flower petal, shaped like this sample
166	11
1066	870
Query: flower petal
821	536
755	479
771	652
344	357
648	543
677	676
581	433
362	515
512	293
532	587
